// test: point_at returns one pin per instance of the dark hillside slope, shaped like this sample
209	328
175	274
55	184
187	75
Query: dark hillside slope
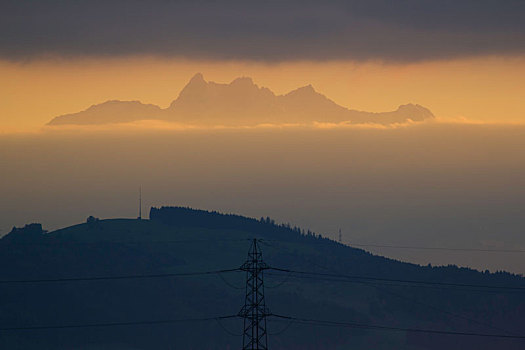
178	240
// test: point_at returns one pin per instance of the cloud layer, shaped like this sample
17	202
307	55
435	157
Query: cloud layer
408	30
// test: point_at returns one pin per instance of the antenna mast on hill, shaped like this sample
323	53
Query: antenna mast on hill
254	310
340	237
140	203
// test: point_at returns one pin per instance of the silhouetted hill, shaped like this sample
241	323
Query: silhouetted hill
240	103
186	240
111	112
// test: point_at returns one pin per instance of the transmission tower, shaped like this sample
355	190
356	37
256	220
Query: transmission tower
254	310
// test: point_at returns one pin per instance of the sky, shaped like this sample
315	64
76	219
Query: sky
461	59
480	89
456	182
404	31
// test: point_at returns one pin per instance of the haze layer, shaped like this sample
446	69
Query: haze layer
425	185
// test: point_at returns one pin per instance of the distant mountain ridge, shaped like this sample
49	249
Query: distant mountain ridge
239	103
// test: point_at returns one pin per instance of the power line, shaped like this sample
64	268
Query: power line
231	285
115	324
386	283
264	241
436	248
389	283
278	284
284	329
398	282
407	281
289	318
302	274
53	242
439	309
227	330
119	277
373	245
390	328
255	299
413	301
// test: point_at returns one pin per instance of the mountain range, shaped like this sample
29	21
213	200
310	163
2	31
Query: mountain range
239	103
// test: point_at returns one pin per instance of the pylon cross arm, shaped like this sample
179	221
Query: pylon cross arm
249	266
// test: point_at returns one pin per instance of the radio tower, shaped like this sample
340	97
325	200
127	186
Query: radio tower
254	310
140	203
340	237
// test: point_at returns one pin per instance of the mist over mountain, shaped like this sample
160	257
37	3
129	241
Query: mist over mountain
239	103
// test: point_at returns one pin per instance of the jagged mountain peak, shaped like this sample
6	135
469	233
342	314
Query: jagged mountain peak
244	81
415	112
307	90
198	78
196	83
241	102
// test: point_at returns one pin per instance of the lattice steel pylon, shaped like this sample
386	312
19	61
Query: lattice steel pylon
254	310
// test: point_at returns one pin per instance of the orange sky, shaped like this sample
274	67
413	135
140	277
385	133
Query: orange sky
487	89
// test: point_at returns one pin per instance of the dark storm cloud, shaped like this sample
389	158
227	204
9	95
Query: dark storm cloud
266	30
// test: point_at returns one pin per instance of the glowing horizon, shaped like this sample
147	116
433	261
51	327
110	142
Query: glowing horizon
474	90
